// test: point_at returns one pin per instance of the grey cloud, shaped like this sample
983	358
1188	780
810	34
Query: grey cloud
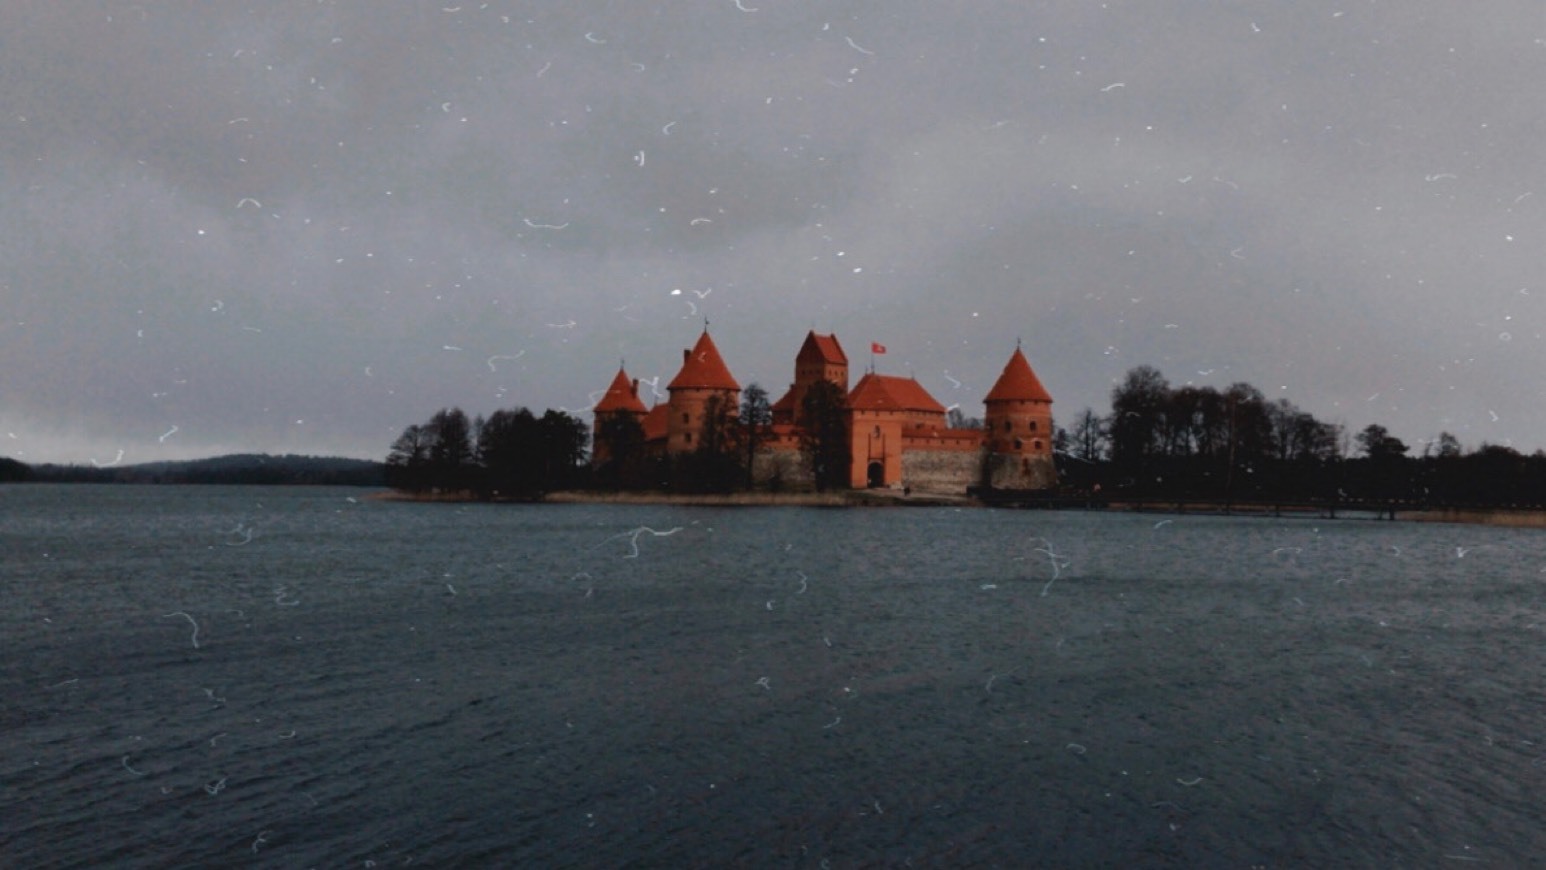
230	219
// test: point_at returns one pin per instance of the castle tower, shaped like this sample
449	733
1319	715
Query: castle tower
704	377
621	400
821	358
1019	429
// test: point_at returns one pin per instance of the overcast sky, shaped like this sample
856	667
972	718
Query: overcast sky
301	226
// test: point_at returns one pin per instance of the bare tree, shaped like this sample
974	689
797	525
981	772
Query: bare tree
955	418
1087	439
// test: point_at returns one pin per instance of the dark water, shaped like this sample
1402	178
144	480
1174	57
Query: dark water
298	678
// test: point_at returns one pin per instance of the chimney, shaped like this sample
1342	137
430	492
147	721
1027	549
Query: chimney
636	388
686	354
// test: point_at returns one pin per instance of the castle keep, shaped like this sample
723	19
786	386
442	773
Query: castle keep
898	434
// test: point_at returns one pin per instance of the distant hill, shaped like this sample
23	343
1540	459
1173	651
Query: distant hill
236	468
11	470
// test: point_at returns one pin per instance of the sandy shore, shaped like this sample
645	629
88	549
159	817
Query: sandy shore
735	499
1524	519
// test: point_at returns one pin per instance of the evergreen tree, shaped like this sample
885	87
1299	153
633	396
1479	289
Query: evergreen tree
450	450
715	465
825	438
508	446
1379	445
756	416
563	443
1137	418
525	456
620	440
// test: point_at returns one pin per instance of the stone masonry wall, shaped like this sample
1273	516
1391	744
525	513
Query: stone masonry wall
941	471
1010	471
788	466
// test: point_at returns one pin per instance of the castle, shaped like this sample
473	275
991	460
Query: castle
898	433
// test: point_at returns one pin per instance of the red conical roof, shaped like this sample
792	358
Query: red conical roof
621	396
1018	383
704	369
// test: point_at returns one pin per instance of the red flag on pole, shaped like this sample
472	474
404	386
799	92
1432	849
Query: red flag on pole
877	347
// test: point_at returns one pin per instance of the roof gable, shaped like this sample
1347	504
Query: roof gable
655	424
1018	383
821	348
888	393
704	369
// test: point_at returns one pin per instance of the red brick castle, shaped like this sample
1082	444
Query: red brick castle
899	434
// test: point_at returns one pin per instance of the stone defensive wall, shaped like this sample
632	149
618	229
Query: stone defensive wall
951	469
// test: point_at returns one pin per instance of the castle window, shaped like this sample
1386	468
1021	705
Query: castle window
687	437
1033	425
684	416
1019	444
1036	444
1008	425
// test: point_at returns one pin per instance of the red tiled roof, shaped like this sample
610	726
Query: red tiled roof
621	397
1018	383
704	368
655	423
887	393
821	348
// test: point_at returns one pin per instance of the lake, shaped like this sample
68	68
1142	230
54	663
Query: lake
295	677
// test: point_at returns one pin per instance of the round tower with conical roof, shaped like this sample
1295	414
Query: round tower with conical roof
704	381
1019	430
621	401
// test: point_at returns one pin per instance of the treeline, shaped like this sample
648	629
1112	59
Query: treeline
1158	442
1200	442
234	469
511	454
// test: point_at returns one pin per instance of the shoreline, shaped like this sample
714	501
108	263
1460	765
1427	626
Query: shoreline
847	498
1502	517
1514	518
